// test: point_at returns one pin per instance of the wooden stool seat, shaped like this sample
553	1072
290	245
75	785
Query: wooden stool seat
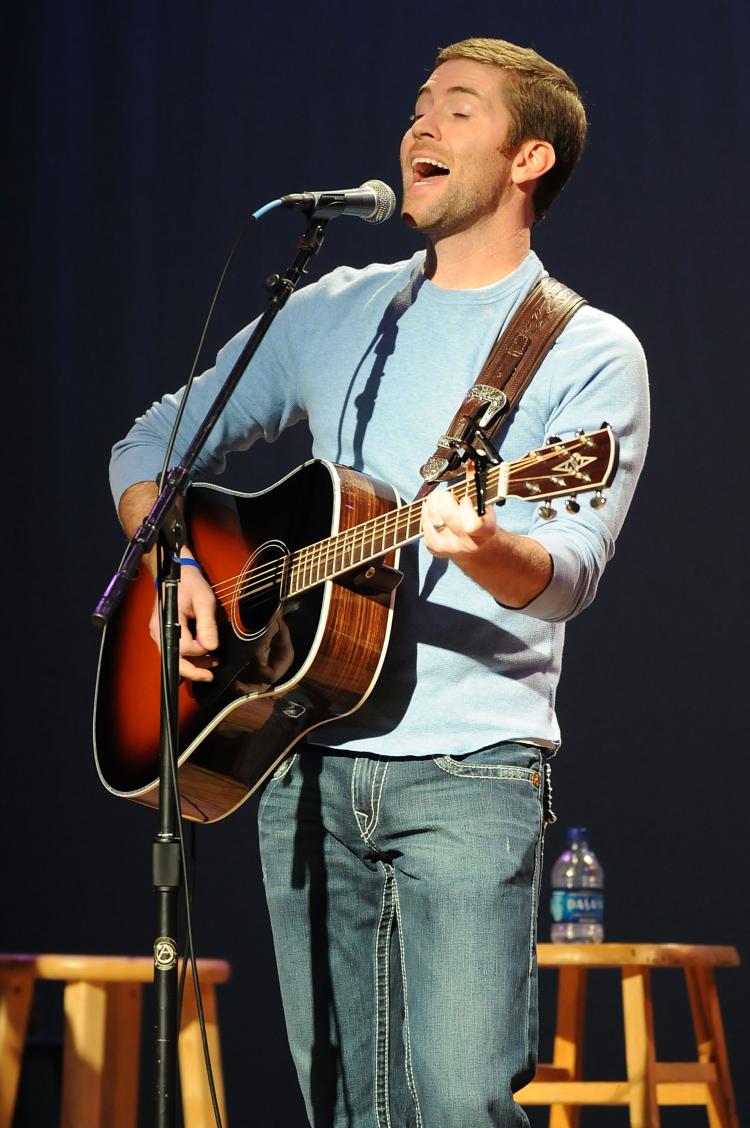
649	1083
101	1045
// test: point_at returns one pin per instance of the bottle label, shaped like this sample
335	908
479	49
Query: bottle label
577	906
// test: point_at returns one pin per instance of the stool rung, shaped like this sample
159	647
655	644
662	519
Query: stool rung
683	1072
575	1092
682	1093
552	1073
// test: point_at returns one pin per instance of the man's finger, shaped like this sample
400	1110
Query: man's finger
471	522
206	630
193	671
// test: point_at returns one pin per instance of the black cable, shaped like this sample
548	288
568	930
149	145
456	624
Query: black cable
199	350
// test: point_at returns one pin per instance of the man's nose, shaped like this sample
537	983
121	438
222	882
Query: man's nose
427	125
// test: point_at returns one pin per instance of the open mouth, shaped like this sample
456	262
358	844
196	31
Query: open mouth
426	168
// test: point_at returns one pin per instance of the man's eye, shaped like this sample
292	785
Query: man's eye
461	115
414	117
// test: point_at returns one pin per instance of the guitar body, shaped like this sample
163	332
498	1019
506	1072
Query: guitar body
332	636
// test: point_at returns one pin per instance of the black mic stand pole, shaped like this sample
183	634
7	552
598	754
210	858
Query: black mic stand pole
164	524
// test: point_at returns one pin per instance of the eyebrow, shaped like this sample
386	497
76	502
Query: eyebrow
451	90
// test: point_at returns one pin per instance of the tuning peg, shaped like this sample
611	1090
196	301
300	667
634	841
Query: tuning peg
546	512
572	505
586	440
551	439
598	501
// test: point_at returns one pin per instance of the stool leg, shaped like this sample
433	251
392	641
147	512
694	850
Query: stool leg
639	1047
100	1055
122	1055
83	1054
568	1049
196	1096
711	1045
16	990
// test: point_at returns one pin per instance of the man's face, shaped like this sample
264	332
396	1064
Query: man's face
460	122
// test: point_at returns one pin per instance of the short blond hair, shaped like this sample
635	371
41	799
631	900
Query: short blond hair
543	102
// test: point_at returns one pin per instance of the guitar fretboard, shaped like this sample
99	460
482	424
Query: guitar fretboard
336	555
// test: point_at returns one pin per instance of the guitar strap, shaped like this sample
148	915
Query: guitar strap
506	373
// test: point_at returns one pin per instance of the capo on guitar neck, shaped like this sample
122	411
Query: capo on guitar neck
476	445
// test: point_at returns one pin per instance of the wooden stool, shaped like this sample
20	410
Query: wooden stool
649	1083
101	1047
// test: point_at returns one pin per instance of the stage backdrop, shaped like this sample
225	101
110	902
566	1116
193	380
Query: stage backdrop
144	134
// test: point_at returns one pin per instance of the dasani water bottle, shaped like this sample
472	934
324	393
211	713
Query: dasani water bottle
577	892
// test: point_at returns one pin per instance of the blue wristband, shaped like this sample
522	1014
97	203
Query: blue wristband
183	560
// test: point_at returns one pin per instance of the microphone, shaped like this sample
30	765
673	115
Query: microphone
373	201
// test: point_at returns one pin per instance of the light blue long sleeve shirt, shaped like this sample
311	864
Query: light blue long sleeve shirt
377	361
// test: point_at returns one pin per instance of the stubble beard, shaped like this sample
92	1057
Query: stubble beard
455	212
459	208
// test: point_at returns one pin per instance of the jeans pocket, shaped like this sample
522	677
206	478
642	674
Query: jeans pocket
508	760
280	772
281	769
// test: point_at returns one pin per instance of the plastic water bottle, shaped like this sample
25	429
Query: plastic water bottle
577	892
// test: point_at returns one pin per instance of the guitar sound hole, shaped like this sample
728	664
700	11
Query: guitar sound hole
259	590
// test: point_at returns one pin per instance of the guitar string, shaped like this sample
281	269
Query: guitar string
306	563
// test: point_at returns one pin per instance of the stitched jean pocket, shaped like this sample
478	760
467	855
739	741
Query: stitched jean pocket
276	775
281	770
508	760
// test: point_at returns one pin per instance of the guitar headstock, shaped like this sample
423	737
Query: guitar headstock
587	462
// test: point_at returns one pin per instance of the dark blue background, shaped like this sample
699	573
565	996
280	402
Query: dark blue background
143	135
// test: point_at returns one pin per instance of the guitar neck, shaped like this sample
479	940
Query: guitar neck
586	462
335	556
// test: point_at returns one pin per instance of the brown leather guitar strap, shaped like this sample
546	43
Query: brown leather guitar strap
505	375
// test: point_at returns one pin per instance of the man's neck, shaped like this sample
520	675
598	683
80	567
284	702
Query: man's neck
478	257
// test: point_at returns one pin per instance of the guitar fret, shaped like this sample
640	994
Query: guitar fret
320	563
362	552
299	569
307	574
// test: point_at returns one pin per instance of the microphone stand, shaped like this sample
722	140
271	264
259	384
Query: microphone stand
164	524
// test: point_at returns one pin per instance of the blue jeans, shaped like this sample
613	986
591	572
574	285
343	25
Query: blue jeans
403	900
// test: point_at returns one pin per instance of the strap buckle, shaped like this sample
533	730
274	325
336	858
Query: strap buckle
494	399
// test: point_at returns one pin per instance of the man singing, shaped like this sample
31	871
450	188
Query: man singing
401	845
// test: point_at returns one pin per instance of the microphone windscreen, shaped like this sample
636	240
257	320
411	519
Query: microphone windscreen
386	201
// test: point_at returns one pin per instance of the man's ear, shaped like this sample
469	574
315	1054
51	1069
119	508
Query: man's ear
532	159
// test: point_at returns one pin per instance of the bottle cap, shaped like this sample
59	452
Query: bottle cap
577	835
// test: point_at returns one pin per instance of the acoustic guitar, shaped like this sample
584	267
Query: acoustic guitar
305	579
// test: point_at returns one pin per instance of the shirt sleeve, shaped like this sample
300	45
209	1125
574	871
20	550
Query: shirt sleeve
598	375
264	403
